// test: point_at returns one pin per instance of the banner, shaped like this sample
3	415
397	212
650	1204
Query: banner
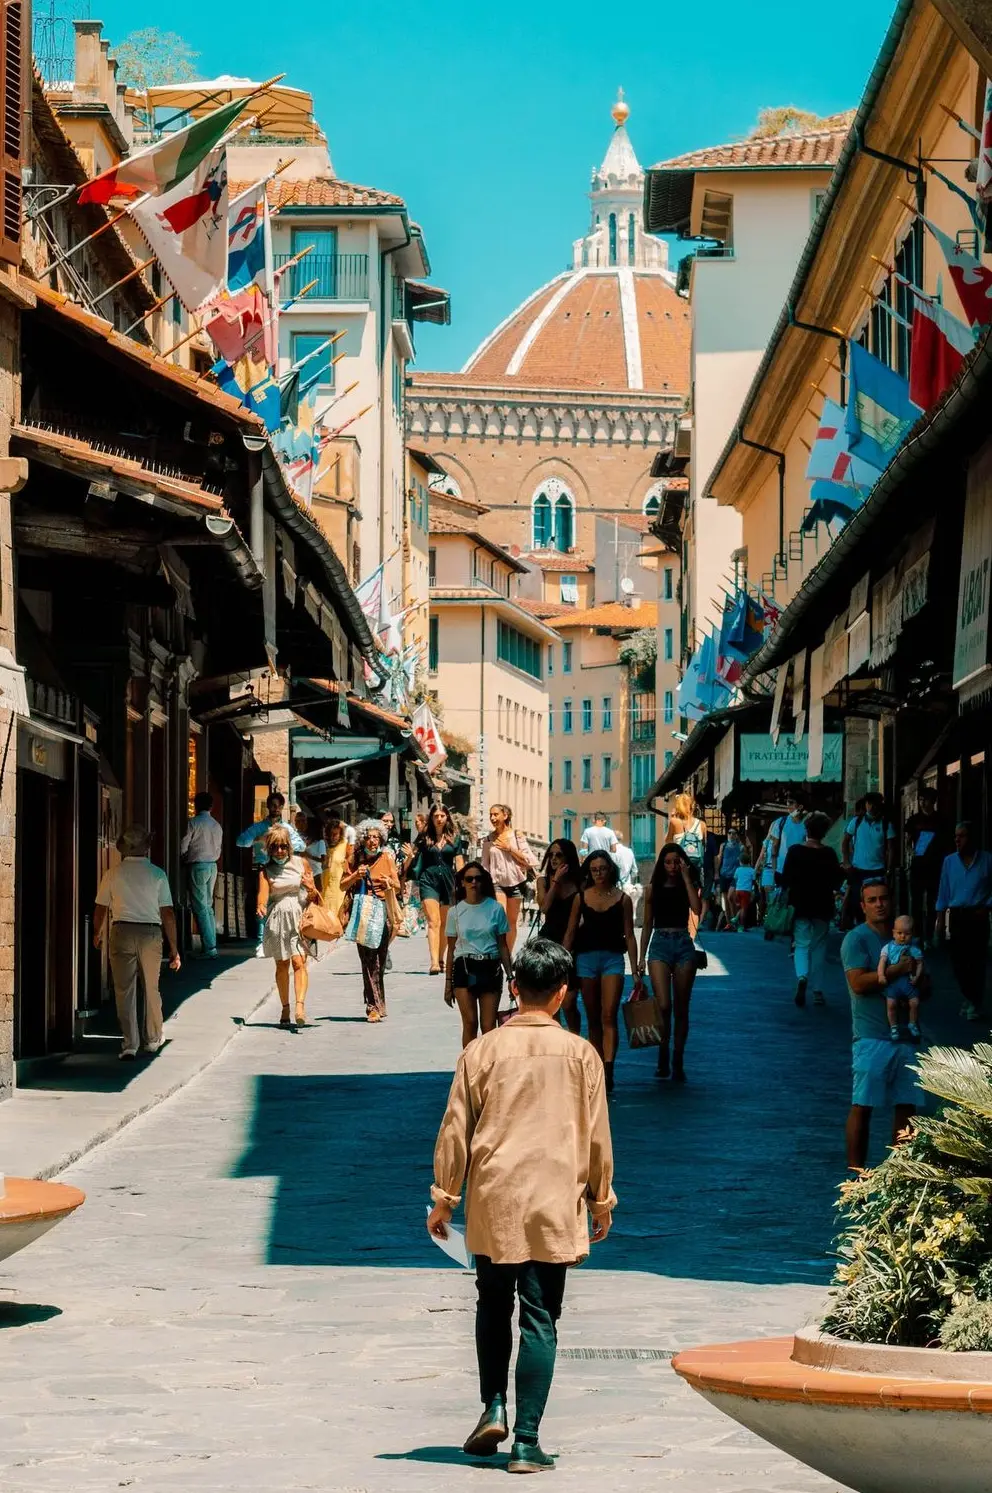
763	762
971	642
425	729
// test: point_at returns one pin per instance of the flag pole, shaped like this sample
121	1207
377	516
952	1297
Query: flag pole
61	258
150	312
968	129
138	269
337	398
281	269
167	352
263	181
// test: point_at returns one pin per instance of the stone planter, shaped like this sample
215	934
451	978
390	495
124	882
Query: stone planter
877	1419
29	1209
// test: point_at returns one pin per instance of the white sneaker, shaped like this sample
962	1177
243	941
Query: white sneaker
127	1054
259	952
154	1047
211	954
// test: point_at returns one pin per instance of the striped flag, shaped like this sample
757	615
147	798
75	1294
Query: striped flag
160	167
939	347
186	228
831	459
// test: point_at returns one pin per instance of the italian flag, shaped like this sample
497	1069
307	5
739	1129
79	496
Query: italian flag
161	166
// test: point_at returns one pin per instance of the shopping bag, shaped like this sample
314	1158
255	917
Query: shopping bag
367	923
780	917
318	922
642	1018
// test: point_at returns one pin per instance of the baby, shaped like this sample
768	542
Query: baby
901	996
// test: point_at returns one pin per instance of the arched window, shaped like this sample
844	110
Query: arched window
564	523
631	239
585	254
652	500
613	238
541	522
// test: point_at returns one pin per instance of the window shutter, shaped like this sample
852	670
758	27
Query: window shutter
13	86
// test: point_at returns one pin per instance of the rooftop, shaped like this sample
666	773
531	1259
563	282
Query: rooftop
555	560
614	615
320	191
448	526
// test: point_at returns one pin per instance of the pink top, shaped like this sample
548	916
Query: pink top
504	870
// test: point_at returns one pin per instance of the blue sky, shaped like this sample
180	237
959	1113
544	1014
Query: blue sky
488	120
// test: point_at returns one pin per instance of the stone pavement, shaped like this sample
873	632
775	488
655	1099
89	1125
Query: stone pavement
249	1300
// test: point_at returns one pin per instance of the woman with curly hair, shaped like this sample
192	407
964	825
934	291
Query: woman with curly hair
373	873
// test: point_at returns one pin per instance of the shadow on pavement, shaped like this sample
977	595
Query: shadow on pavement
447	1456
25	1314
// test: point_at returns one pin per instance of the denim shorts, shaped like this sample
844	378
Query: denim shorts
673	949
882	1075
597	962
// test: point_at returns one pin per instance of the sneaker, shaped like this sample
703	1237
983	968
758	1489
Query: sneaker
895	1034
914	1031
801	991
259	952
210	954
153	1047
127	1054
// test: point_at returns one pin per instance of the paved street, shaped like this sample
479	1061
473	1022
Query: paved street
248	1299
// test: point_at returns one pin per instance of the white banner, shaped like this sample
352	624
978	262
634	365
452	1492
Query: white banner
971	643
425	729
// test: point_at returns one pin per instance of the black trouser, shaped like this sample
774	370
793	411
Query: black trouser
924	879
540	1288
969	933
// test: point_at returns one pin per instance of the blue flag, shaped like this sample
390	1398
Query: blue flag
254	385
879	409
248	244
830	501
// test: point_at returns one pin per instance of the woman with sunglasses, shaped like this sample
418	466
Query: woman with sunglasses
600	932
478	951
558	885
668	952
435	858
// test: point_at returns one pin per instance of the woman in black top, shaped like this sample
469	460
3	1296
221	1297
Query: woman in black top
600	931
558	884
668	952
811	877
433	862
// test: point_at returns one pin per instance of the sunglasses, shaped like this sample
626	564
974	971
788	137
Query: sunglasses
471	880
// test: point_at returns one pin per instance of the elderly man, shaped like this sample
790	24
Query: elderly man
963	900
137	898
883	1069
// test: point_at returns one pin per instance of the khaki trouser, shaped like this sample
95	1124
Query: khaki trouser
134	947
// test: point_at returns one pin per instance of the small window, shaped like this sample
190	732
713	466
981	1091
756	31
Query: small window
551	777
569	590
642	836
668	591
551	659
432	567
566	775
433	644
499	716
669	645
607	712
551	720
318	370
566	717
642	775
587	715
587	775
817	198
566	658
669	707
669	758
568	828
607	773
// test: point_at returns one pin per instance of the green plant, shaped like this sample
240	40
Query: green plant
149	57
968	1329
918	1240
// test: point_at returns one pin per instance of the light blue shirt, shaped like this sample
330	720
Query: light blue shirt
869	837
788	832
965	886
255	834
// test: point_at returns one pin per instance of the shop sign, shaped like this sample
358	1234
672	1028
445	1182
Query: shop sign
971	643
859	643
835	654
761	761
914	587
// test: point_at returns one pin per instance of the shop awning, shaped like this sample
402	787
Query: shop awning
428	303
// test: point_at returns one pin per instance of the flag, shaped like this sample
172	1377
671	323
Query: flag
714	692
831	501
238	324
743	628
252	382
186	229
370	597
983	183
160	167
940	345
427	734
879	410
972	281
830	459
249	243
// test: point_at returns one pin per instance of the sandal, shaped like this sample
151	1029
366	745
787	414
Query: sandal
301	1014
284	1019
373	1015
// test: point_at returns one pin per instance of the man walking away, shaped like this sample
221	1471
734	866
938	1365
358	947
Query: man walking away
630	876
527	1126
254	836
884	1077
201	848
598	836
137	897
963	900
868	847
926	847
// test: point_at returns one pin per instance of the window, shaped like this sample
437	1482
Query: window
816	202
566	775
567	828
587	715
669	645
551	777
551	720
432	567
607	774
643	712
433	644
881	325
569	590
566	717
564	524
516	725
551	660
397	386
642	836
317	371
321	264
541	522
669	708
566	658
515	648
499	716
613	238
669	758
631	238
587	775
909	265
667	590
642	775
553	516
607	712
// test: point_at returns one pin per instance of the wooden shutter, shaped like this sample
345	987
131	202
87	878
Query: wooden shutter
13	145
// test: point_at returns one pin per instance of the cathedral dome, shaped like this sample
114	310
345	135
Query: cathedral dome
612	322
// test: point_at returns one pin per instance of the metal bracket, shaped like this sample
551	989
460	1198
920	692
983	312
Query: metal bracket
915	171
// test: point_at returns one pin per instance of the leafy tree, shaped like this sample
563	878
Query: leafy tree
149	57
784	119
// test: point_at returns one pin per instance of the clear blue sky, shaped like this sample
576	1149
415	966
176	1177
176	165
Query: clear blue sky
489	120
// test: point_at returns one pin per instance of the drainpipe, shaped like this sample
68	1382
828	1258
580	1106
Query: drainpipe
255	445
780	459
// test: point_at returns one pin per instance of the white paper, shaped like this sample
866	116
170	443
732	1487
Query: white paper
454	1245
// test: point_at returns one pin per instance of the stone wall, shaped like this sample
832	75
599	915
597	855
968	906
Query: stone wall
9	401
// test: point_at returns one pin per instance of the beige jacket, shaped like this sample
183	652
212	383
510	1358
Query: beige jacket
527	1124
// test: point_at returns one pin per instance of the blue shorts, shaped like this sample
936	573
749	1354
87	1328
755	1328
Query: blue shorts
673	949
883	1077
597	962
902	989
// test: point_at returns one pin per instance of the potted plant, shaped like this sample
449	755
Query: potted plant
893	1393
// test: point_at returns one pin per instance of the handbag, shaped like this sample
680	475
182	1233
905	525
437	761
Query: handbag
367	923
642	1018
780	917
318	922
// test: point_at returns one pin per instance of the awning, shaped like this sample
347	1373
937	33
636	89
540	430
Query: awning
281	110
428	303
668	201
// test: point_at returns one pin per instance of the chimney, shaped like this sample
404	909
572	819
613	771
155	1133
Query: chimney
87	86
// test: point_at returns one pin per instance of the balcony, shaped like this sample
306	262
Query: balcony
339	277
643	730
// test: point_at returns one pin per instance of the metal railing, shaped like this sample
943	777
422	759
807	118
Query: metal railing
399	301
339	277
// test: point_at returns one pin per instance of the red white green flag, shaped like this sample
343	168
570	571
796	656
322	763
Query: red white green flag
160	167
186	229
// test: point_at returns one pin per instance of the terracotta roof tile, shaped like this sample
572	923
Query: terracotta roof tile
447	526
548	560
614	614
543	609
818	147
320	191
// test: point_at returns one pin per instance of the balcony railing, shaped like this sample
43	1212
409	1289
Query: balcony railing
643	730
399	301
339	277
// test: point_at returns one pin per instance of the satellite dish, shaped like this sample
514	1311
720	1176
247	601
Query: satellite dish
627	586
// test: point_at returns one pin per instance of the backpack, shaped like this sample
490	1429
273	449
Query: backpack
691	841
885	821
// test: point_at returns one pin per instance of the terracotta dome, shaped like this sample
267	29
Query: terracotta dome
617	328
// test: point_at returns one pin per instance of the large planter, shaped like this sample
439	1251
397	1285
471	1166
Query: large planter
878	1419
29	1209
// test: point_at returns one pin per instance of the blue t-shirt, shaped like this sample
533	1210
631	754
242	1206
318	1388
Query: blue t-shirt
862	949
894	952
744	878
869	838
788	832
730	859
476	928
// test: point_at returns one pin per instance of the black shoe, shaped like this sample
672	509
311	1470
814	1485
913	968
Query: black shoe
663	1069
526	1458
678	1071
801	992
491	1430
608	1068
